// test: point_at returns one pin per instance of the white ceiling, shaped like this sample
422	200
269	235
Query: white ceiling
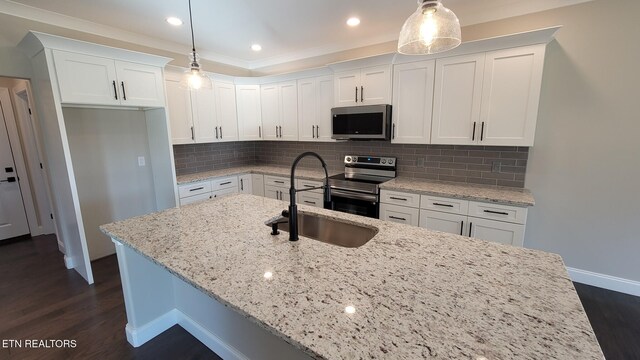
225	29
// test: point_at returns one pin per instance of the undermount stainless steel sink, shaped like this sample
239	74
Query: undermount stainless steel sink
332	231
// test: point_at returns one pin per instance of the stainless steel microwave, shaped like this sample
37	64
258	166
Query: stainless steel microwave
368	122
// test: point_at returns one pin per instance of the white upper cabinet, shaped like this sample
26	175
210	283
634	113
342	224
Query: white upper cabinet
315	100
92	80
510	95
456	100
488	98
204	115
226	115
180	116
279	104
412	102
249	112
366	86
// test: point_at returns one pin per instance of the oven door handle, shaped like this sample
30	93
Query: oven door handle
354	195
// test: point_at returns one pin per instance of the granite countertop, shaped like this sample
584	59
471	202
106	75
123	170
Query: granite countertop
417	293
485	193
301	173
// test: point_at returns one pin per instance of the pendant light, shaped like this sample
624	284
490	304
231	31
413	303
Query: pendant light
193	78
431	29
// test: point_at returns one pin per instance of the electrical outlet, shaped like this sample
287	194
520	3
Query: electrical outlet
495	166
141	161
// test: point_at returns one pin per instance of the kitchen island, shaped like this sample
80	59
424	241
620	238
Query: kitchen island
408	293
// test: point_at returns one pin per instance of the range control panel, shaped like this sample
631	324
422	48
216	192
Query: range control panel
370	160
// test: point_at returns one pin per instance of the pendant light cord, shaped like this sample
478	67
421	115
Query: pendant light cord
193	41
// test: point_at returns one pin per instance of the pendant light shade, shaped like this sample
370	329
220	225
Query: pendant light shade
193	78
431	29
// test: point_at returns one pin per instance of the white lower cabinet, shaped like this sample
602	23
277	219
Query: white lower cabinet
224	192
310	198
276	192
257	184
246	184
194	199
445	222
399	214
496	231
208	189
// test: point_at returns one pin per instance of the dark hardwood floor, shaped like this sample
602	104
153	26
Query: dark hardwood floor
40	299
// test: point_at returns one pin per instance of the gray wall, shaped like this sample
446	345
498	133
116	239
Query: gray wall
470	164
584	169
105	145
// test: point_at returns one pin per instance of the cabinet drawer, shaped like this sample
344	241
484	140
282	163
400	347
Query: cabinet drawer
310	198
305	184
400	198
224	192
194	199
277	181
224	183
198	188
508	213
449	205
399	214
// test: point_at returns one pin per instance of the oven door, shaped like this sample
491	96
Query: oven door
354	202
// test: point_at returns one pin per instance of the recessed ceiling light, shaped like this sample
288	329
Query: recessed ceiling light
353	21
174	21
350	309
256	47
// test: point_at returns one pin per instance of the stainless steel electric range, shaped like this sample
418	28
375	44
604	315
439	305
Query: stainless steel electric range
357	191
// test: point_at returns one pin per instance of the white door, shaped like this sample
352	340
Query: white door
496	231
324	97
140	85
13	219
257	184
180	116
225	99
307	103
288	93
439	221
245	184
249	112
412	102
269	101
510	94
375	85
204	116
85	79
399	214
456	100
347	88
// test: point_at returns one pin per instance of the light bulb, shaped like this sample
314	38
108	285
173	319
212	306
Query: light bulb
428	29
195	80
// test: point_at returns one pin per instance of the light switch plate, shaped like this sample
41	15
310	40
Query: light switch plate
141	161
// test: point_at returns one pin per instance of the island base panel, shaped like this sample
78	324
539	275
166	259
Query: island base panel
156	300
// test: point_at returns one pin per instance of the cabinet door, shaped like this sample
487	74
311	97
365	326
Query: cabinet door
496	231
276	192
225	99
180	115
84	79
269	101
245	184
399	214
257	184
204	115
140	85
347	88
324	98
224	192
288	93
439	221
307	109
456	100
375	85
412	102
249	112
510	94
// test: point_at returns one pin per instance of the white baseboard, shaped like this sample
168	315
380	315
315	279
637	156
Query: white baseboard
622	285
68	262
140	335
213	342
